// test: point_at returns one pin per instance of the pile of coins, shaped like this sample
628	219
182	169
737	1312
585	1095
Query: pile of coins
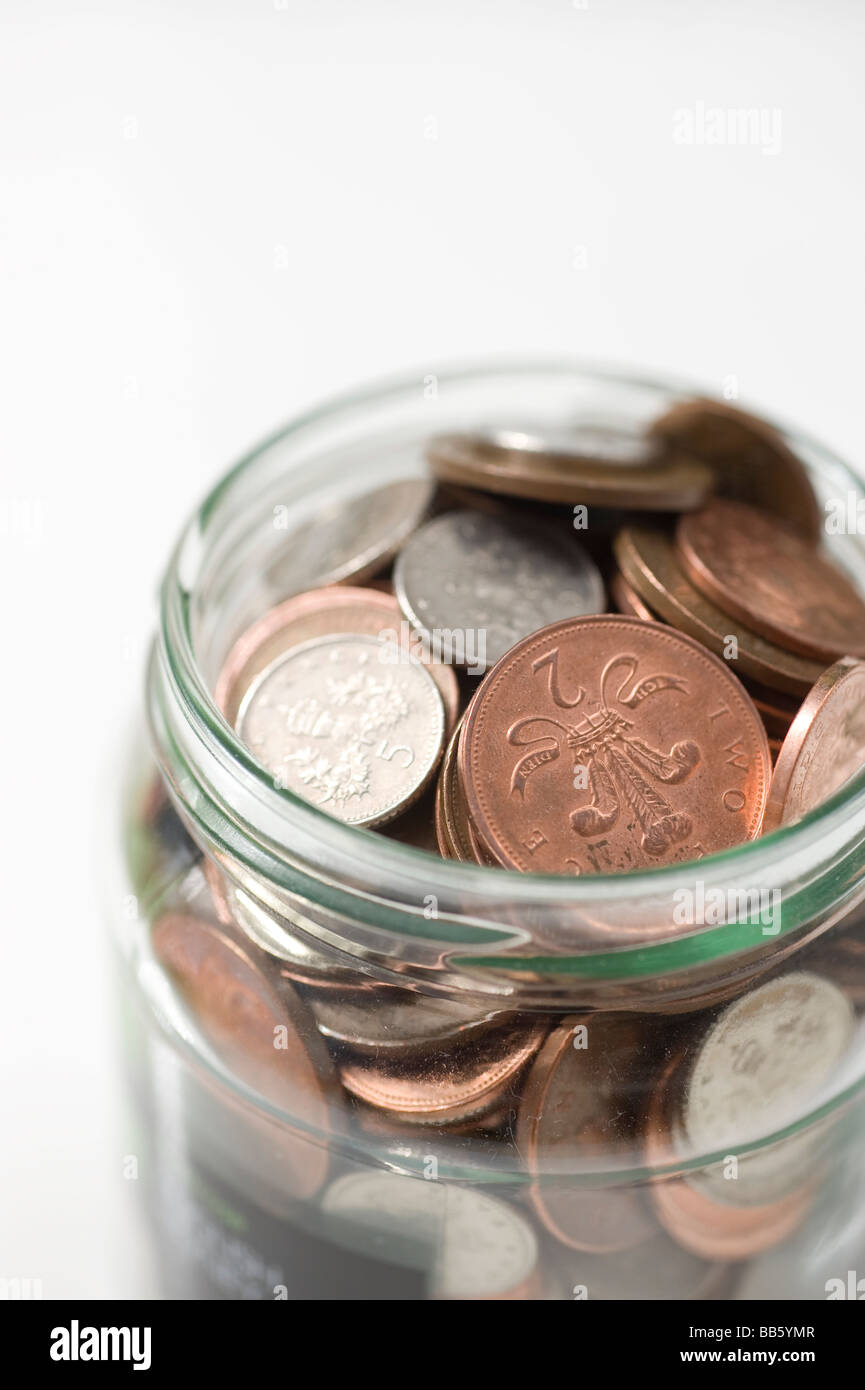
566	738
445	667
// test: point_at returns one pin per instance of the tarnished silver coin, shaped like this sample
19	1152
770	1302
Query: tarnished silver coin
591	441
760	1065
388	1018
341	723
475	584
352	539
475	1246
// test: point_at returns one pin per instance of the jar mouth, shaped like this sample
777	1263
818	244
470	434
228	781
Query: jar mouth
276	832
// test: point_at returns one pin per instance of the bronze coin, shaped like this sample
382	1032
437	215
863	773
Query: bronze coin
483	462
765	573
628	601
824	748
266	1036
649	562
605	744
578	1103
751	459
446	1085
340	608
452	829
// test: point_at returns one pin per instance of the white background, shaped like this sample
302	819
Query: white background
214	212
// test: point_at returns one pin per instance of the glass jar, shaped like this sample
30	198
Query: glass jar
340	1044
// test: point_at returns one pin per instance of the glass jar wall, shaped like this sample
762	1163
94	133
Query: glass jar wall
364	1071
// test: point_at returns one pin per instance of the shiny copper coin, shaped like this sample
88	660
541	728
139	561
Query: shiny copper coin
749	456
266	1036
452	830
824	748
509	466
608	744
322	613
445	1085
648	561
765	573
628	601
578	1104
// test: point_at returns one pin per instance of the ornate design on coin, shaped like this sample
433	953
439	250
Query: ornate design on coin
471	581
607	692
320	613
339	725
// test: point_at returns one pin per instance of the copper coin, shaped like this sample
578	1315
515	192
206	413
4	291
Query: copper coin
445	1085
752	461
608	744
551	475
322	613
266	1036
824	748
452	829
578	1103
628	601
764	572
649	563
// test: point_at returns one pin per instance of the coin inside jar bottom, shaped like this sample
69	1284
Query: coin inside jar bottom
456	962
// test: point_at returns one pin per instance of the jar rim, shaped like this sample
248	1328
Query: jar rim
343	847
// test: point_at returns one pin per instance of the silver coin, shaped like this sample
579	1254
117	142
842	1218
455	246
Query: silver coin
594	442
476	1246
351	539
475	584
758	1068
340	723
388	1019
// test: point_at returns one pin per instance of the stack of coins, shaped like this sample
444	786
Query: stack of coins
446	667
482	698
